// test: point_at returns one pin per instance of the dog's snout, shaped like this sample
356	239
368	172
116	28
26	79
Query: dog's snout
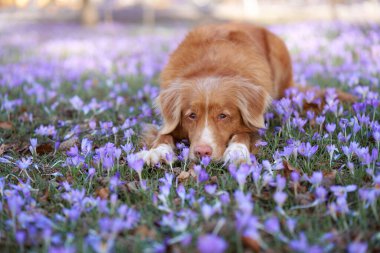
203	150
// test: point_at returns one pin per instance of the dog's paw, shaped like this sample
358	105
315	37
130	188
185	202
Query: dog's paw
237	153
155	155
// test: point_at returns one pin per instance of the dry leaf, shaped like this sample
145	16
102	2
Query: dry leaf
6	125
23	148
69	143
214	180
251	244
184	175
304	198
177	170
288	169
177	201
132	186
45	148
144	232
192	172
103	193
44	198
329	178
69	179
2	149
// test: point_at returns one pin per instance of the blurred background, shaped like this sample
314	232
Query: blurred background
151	12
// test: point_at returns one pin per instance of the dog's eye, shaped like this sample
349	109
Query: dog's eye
222	116
192	116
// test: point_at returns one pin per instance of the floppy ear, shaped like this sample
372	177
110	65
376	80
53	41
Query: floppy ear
169	104
253	101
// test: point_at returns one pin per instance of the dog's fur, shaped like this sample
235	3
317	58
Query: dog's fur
216	88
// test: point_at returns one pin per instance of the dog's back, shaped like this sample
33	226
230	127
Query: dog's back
242	50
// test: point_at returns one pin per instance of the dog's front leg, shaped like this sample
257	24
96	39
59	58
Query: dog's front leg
162	151
238	149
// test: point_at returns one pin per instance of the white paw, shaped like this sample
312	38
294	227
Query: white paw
156	155
237	153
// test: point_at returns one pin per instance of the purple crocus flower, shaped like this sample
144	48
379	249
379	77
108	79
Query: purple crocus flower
368	196
46	130
210	243
205	160
185	153
272	225
135	163
20	237
280	198
65	249
316	178
307	150
91	172
295	177
321	193
92	124
127	148
24	163
357	247
330	127
203	176
280	182
76	103
341	191
320	119
211	188
33	145
300	245
225	198
331	149
181	191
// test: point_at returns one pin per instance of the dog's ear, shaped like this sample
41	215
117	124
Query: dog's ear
252	101
169	104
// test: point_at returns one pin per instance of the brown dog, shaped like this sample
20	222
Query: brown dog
216	88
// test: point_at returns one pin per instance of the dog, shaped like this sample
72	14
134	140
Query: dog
215	89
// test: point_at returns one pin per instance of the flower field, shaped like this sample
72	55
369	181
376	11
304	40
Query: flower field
73	102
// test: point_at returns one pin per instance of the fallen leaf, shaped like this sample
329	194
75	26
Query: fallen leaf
144	232
103	193
44	148
6	125
177	170
250	243
69	179
304	198
214	179
192	172
133	186
184	175
69	143
2	149
177	201
288	169
329	178
10	146
23	148
265	195
44	198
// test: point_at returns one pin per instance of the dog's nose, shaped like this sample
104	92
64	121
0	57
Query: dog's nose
203	150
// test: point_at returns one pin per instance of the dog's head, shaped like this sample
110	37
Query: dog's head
209	111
